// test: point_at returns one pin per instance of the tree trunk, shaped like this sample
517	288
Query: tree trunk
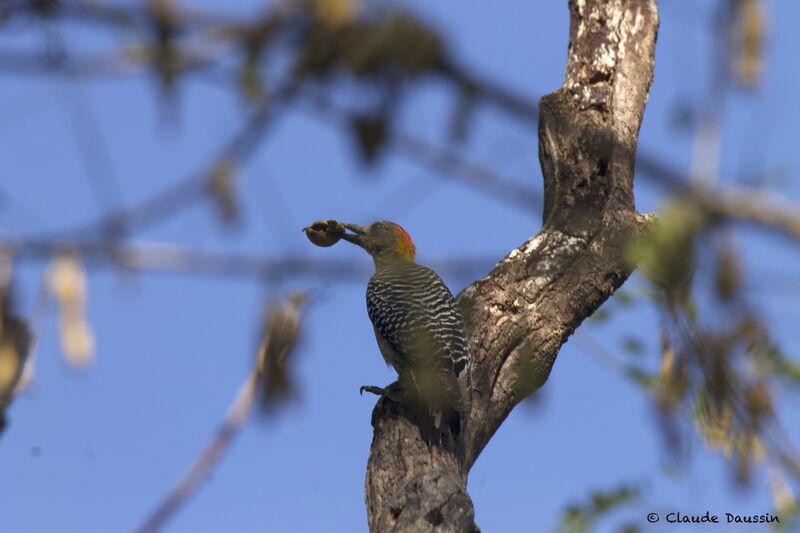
520	315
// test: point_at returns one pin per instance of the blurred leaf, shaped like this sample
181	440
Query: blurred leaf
786	505
573	521
714	424
166	58
382	49
748	35
758	401
667	357
255	41
411	43
633	345
579	518
728	276
14	341
666	255
600	315
67	282
67	279
624	297
640	377
78	342
370	135
336	13
221	187
673	379
787	368
278	343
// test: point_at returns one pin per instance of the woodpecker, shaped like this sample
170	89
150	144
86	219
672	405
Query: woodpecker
418	326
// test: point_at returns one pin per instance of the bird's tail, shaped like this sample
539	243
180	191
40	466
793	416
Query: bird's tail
447	420
438	393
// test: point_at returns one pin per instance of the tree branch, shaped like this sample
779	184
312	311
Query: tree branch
519	316
752	206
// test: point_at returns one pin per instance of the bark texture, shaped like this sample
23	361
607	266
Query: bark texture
520	315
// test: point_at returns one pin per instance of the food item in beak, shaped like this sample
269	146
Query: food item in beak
325	232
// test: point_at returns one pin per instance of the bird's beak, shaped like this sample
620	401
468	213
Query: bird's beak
356	237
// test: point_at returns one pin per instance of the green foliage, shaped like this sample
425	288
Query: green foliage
601	315
624	298
666	256
718	366
621	299
581	517
641	377
789	516
390	46
782	366
633	345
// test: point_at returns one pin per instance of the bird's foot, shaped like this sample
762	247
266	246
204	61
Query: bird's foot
390	392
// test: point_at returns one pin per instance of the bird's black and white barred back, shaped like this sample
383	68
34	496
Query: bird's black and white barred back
420	332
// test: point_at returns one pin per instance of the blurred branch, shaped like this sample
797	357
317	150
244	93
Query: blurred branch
173	199
271	375
93	149
450	165
446	162
169	258
110	14
442	160
516	105
753	206
130	61
208	459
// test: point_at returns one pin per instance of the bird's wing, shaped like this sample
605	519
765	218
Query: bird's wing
414	313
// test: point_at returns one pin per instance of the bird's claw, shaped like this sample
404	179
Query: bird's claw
374	390
388	392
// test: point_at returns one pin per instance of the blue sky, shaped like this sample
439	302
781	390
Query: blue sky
94	451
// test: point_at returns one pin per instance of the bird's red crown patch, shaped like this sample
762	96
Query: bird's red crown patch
405	244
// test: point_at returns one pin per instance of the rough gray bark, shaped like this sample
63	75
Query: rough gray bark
519	315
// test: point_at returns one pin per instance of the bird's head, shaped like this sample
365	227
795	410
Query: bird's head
385	241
